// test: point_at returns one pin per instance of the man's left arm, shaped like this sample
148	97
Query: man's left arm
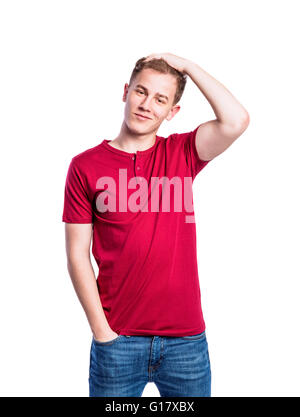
215	136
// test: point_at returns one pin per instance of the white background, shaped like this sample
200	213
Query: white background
64	66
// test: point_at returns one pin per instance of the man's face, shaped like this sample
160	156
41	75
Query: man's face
151	95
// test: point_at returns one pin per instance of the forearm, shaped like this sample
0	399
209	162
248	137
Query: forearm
84	282
226	108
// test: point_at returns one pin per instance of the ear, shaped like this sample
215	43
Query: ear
126	87
174	110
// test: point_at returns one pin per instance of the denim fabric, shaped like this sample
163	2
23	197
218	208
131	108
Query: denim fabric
179	366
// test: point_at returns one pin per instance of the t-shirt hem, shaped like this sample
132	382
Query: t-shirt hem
172	333
202	161
67	220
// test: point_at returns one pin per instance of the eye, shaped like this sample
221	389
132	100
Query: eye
139	91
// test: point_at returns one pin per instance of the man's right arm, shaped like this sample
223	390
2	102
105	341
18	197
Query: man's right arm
78	240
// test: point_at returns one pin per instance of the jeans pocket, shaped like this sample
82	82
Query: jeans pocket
109	342
195	336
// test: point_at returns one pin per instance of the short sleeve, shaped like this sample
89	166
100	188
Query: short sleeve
77	207
193	161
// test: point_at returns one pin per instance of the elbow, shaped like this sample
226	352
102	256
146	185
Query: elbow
245	120
241	125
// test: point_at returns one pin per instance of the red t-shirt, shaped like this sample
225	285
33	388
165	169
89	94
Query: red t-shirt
145	249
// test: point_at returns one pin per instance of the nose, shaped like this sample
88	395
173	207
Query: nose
145	104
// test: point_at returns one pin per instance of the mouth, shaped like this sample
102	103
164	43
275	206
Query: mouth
141	117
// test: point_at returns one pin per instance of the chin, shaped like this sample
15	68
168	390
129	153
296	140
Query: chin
136	127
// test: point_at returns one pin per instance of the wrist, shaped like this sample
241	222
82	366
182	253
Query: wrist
188	67
100	331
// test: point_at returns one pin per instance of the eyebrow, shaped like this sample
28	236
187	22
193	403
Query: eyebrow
158	94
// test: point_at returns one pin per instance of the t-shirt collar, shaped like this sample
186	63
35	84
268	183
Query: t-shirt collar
105	143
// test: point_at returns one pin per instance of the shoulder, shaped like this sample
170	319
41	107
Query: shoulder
86	154
84	160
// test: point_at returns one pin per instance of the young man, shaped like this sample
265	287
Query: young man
133	196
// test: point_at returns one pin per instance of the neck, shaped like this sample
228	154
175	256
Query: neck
129	141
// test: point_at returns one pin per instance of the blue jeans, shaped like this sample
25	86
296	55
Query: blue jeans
179	366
